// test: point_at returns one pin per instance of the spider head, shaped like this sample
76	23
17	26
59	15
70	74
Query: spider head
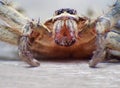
65	26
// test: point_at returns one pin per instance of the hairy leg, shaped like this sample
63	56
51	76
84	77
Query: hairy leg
100	53
113	40
109	44
24	48
25	53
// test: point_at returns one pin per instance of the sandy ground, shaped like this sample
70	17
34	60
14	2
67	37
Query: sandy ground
16	74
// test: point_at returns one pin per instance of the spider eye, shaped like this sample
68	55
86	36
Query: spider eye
71	11
58	12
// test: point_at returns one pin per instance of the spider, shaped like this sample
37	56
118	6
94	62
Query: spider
64	35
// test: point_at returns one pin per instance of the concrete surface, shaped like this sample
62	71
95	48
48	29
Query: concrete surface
76	74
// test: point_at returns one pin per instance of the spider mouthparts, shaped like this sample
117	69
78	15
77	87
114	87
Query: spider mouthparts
65	32
65	41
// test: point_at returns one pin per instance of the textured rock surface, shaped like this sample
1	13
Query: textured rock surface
16	74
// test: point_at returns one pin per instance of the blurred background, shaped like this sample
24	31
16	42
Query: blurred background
45	9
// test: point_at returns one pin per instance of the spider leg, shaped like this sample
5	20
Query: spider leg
100	53
103	28
24	49
107	45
